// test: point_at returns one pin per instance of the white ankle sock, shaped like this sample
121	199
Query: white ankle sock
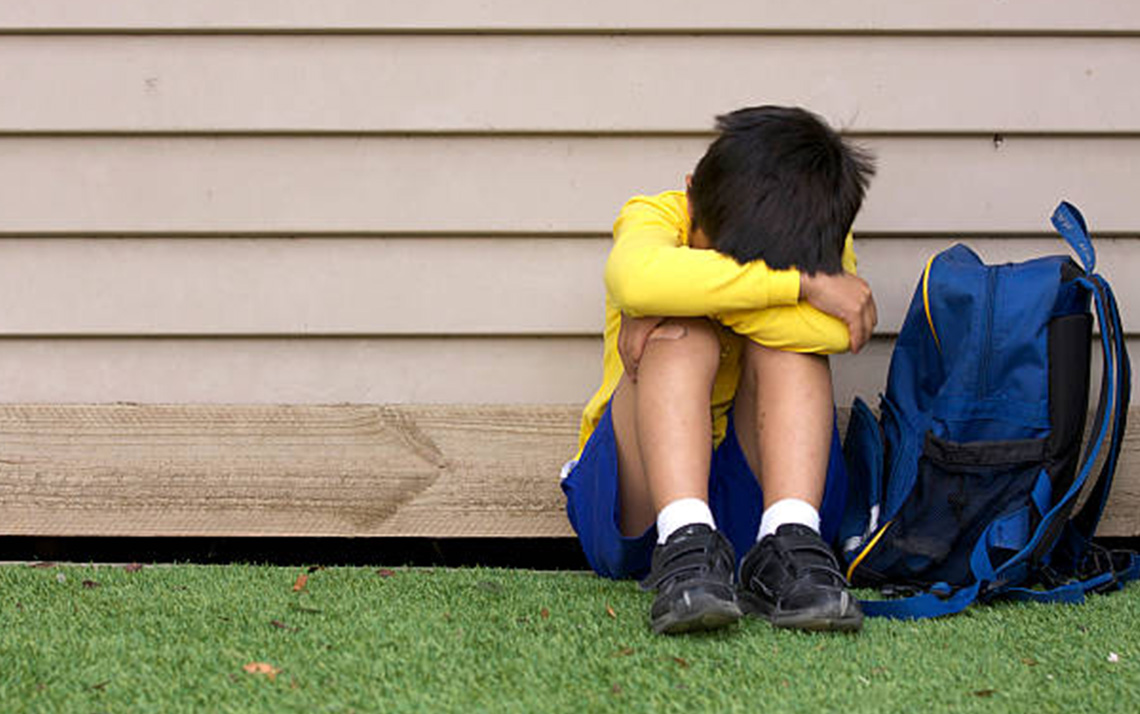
788	510
680	513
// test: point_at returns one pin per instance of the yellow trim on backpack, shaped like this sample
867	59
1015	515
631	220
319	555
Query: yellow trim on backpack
926	301
867	549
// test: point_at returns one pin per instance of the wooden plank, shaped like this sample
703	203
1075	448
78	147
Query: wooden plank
312	471
390	286
587	15
482	83
438	471
525	185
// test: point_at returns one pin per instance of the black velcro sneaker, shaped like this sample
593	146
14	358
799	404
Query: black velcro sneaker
692	573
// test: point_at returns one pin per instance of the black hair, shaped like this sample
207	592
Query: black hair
779	185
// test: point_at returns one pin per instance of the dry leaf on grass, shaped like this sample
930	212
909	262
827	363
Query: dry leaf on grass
90	584
610	611
385	572
299	585
282	626
44	564
544	613
490	586
133	567
262	668
624	652
985	693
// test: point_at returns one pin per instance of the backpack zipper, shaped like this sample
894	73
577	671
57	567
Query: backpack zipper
867	549
991	290
926	300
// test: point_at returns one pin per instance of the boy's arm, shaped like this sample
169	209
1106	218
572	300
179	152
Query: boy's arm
649	273
799	328
837	313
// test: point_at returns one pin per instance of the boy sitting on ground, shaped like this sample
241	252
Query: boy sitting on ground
712	436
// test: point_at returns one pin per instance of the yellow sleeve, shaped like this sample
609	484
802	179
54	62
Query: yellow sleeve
797	328
651	272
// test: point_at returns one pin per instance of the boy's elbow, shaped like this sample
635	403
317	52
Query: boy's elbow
833	342
628	294
822	334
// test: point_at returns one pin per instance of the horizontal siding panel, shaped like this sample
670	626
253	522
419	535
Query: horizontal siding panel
307	286
521	184
308	371
945	15
560	84
325	371
394	286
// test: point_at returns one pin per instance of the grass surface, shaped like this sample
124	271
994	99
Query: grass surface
358	639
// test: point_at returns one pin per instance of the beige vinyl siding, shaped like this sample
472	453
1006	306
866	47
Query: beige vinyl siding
586	15
272	370
375	202
577	83
340	370
353	287
535	185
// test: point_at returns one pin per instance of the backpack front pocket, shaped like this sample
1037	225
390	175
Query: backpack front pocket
960	489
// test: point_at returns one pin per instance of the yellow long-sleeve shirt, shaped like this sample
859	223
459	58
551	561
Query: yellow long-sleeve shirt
652	271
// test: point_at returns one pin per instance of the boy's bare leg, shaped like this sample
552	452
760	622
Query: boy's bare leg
663	426
783	415
663	423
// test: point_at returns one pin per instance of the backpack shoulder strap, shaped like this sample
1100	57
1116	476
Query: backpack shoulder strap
1085	521
1080	564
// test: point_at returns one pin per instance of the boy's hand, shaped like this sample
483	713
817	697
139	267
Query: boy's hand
632	337
845	296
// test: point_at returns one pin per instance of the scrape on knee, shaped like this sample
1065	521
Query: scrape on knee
669	331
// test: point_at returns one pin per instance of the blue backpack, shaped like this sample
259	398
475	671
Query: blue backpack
965	487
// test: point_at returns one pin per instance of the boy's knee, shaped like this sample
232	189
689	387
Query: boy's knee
758	358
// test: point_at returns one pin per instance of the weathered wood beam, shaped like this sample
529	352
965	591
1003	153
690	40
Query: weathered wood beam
351	470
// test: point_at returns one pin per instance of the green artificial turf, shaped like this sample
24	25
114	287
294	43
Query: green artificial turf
92	639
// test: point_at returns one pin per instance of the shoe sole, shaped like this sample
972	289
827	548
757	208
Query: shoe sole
703	613
796	621
810	620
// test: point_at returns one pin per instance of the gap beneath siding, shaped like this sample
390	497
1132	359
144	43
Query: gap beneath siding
529	553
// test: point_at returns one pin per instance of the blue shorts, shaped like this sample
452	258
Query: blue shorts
591	489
